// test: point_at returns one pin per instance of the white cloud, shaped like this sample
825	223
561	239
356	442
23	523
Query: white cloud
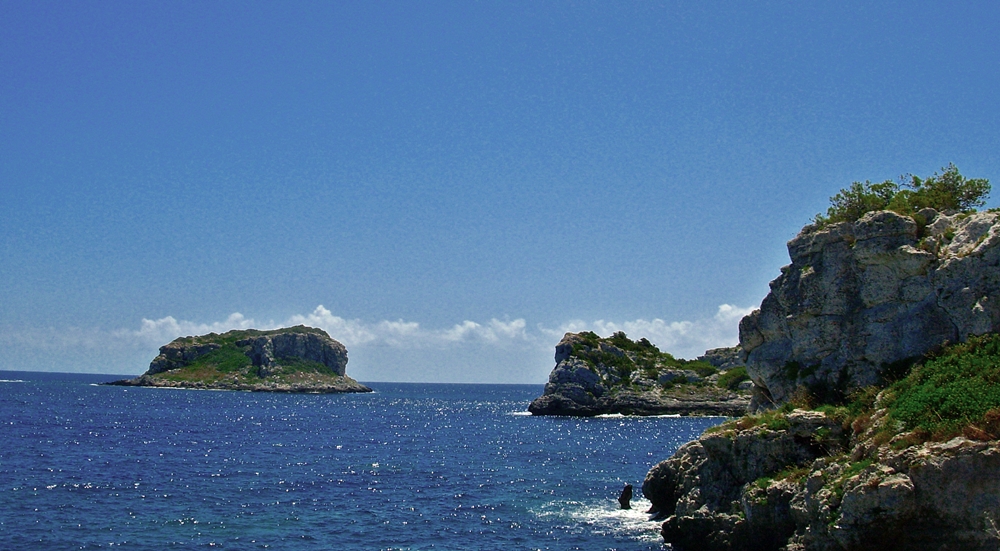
349	332
410	334
164	330
684	339
470	351
495	331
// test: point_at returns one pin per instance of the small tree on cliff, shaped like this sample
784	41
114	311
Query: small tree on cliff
946	191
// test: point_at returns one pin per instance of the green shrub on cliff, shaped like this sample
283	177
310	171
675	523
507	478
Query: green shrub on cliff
957	391
946	191
731	379
625	356
227	359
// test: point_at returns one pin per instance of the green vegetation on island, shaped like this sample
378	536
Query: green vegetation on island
292	359
952	392
595	375
232	359
622	362
639	356
955	392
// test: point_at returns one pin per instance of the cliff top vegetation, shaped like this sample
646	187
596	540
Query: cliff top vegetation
947	191
622	361
230	337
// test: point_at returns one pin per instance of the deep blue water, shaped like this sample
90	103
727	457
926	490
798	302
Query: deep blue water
409	467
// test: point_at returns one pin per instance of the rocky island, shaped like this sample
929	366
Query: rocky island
292	359
595	376
875	360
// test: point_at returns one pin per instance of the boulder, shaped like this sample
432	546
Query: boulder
724	359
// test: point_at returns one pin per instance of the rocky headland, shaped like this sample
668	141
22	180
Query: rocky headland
873	428
595	376
862	299
292	359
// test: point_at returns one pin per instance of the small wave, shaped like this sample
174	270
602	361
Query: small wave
606	518
11	381
621	415
520	413
191	388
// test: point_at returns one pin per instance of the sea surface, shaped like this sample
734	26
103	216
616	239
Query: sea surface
409	467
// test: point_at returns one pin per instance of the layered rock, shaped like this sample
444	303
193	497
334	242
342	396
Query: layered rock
784	484
294	359
595	376
861	299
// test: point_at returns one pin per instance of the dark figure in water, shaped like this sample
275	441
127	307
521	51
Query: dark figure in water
626	497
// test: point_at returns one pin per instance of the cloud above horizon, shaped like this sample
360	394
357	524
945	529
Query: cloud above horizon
684	339
393	341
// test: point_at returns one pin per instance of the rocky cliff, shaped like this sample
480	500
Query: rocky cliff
791	481
293	359
864	299
897	446
595	376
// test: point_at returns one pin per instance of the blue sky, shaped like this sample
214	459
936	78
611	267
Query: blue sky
447	187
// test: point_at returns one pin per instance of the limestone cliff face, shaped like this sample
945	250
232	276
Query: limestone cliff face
859	302
266	351
264	348
862	297
179	353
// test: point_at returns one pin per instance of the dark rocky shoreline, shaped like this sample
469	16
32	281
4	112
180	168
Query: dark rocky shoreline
342	384
628	402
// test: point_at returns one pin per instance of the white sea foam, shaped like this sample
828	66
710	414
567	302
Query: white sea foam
11	381
605	517
620	415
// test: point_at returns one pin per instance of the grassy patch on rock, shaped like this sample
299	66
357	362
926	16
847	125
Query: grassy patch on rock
955	392
639	365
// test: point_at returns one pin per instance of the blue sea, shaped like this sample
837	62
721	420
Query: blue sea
408	467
